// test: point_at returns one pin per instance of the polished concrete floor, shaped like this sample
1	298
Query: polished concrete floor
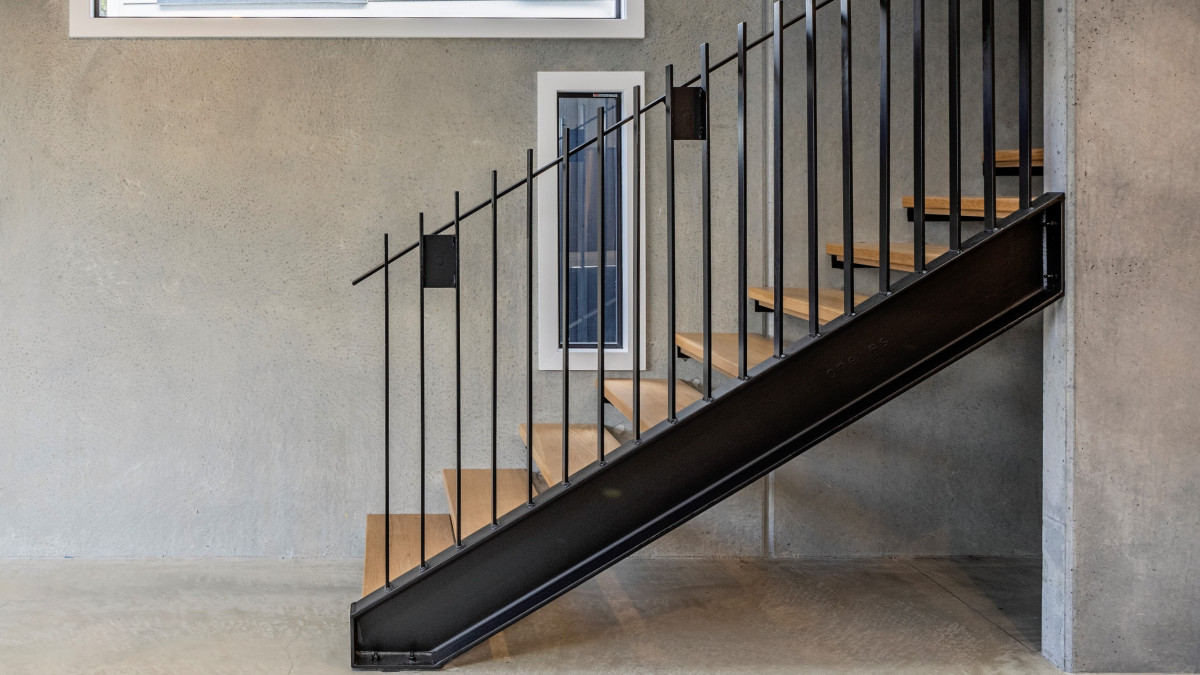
977	615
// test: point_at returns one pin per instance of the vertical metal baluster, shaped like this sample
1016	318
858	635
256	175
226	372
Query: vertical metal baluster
565	299
637	263
810	24
458	371
919	136
706	223
1026	84
777	183
743	291
885	147
847	163
421	367
989	116
529	324
669	84
387	417
955	128
601	212
495	339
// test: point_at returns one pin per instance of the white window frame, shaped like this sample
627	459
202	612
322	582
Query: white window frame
550	85
85	24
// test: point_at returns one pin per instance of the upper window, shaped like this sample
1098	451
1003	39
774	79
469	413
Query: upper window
358	18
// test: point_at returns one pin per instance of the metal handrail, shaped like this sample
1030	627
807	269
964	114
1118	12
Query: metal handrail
558	160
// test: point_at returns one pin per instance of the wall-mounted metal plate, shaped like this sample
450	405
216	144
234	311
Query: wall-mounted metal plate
688	121
439	260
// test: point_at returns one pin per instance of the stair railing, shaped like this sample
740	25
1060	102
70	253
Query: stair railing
432	273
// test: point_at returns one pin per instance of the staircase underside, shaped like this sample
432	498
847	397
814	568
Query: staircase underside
716	448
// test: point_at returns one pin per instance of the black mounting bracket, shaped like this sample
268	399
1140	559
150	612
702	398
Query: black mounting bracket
1016	171
688	119
439	260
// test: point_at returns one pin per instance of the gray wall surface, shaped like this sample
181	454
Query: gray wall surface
1122	515
186	370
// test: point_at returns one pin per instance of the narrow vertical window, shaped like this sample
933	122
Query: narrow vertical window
573	101
579	112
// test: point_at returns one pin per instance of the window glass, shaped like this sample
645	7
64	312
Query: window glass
578	112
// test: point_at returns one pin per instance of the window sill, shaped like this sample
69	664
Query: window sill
585	359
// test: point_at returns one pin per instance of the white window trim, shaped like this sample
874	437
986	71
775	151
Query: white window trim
549	351
85	24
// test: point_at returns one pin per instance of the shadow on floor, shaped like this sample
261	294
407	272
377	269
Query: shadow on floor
865	615
1007	591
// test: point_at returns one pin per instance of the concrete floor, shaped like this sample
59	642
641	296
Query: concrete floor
644	615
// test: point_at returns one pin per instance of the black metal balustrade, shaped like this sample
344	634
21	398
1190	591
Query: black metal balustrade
686	109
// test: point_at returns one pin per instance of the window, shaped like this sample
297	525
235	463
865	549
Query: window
573	100
358	18
578	111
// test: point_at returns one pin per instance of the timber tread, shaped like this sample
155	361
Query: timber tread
902	254
831	302
405	540
511	492
1011	159
725	350
581	448
654	404
972	207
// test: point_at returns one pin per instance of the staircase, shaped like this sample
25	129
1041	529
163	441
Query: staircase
515	538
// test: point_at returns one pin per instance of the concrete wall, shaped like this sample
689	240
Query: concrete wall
1122	516
186	370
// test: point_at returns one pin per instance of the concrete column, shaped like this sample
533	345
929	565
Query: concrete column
1121	516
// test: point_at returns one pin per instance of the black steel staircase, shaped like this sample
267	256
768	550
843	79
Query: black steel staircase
784	394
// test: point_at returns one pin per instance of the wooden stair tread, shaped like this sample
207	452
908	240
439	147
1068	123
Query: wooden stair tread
972	207
902	254
1011	159
511	492
725	350
619	392
581	448
831	302
405	540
